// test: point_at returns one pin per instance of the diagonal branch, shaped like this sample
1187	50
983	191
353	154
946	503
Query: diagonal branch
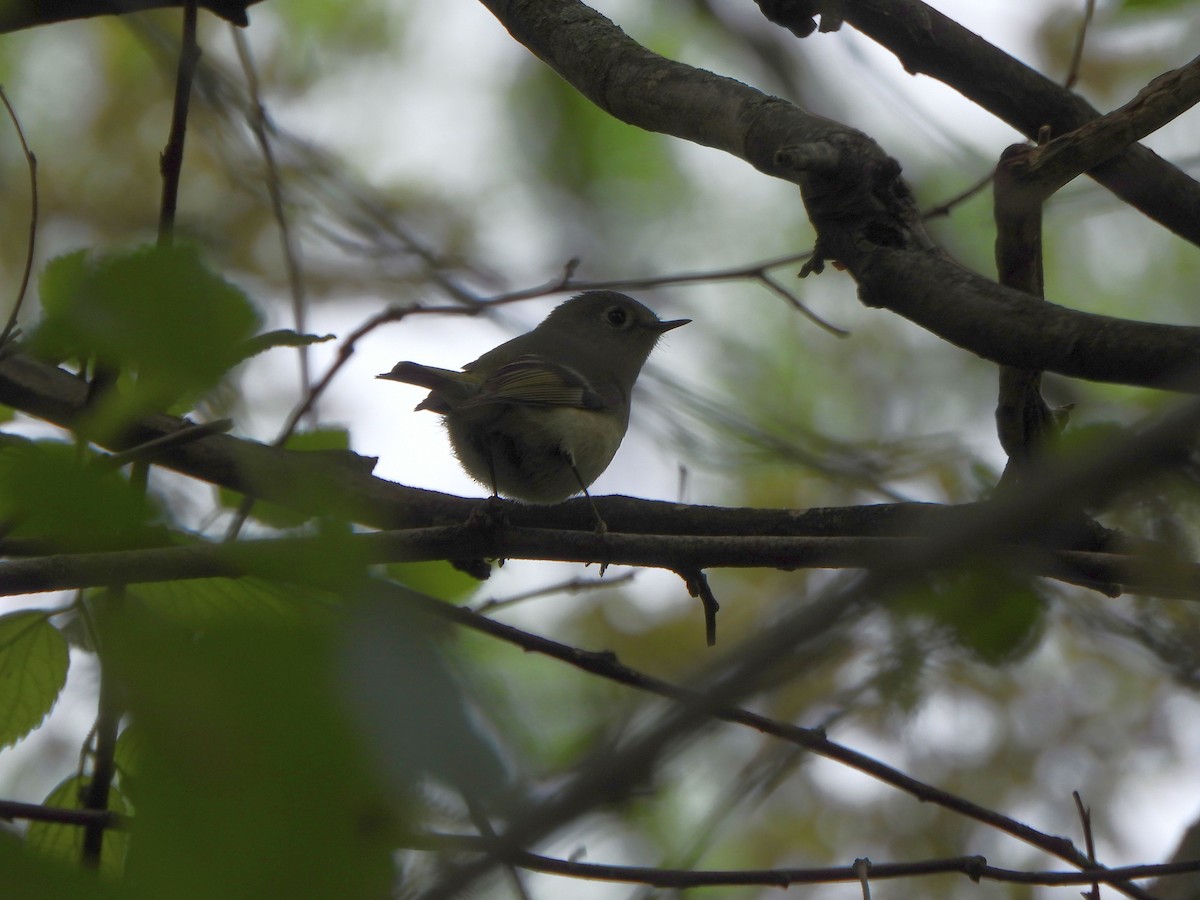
863	212
930	43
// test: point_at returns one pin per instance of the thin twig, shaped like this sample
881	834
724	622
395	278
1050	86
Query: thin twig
946	206
1089	10
1089	840
573	586
479	819
974	867
697	585
171	163
345	351
11	810
151	448
256	115
862	868
31	161
108	720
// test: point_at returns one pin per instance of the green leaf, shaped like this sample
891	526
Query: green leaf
33	670
250	783
437	579
990	612
28	875
47	490
1151	5
413	702
284	337
127	757
158	314
65	842
204	601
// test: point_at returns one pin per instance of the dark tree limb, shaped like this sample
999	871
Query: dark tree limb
18	14
929	43
1025	423
863	212
324	485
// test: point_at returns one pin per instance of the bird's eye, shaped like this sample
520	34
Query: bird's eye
616	316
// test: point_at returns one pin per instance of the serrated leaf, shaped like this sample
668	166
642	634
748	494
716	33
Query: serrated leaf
65	842
33	670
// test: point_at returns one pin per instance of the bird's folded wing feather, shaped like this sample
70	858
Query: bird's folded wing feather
534	381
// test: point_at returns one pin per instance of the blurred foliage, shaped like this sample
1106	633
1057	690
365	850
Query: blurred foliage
56	491
158	314
285	739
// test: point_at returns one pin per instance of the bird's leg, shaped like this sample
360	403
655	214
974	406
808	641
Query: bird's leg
601	526
491	512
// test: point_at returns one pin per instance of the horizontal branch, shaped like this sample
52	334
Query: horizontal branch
1016	329
36	812
321	484
974	867
18	14
277	558
864	214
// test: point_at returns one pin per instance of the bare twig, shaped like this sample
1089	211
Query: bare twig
572	586
257	118
1089	10
151	448
171	163
1089	840
862	868
108	720
975	868
31	161
36	812
697	585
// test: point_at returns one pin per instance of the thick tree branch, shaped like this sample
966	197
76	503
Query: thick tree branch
1016	329
863	212
277	558
324	485
927	42
18	14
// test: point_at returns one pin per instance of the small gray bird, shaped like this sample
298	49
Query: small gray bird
541	416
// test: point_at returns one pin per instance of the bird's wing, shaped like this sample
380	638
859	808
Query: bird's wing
533	381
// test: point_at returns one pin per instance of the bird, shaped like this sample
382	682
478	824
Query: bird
540	417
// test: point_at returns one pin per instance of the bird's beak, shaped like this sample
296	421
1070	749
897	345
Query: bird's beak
667	326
